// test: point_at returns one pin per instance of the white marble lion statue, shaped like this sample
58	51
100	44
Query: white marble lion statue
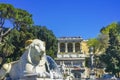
33	61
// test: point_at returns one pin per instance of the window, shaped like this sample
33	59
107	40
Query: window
77	47
70	47
62	47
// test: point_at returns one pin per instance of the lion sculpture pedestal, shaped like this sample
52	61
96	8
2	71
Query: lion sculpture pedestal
33	64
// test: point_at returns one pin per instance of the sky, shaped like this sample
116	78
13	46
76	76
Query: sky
71	18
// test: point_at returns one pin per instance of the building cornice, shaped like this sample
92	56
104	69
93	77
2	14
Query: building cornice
73	39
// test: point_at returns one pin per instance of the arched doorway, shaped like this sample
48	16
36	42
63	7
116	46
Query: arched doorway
70	47
77	47
62	47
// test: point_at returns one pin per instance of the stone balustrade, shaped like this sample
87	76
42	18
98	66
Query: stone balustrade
70	55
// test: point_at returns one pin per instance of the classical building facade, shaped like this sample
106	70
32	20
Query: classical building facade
71	56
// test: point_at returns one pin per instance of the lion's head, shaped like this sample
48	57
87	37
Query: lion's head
36	50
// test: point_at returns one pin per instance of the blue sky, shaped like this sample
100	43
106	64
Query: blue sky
71	18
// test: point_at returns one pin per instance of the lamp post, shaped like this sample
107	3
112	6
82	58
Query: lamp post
92	74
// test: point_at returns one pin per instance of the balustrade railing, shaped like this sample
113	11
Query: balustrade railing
70	55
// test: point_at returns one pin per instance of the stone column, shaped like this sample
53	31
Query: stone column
73	47
66	47
58	47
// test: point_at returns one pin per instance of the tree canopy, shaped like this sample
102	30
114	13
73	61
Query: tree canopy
112	54
17	17
108	43
22	28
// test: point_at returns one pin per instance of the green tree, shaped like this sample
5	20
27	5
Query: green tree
106	30
6	13
104	35
100	44
112	54
97	49
20	21
21	29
